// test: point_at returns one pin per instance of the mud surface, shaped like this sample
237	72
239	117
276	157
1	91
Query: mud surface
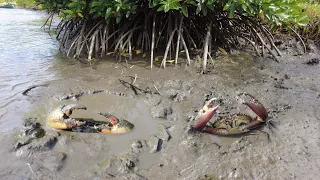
163	105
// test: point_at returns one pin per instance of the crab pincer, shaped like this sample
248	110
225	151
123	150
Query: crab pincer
206	113
232	124
115	125
59	118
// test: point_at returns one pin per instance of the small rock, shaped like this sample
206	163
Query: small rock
154	144
190	118
286	76
313	61
162	133
34	131
160	112
136	144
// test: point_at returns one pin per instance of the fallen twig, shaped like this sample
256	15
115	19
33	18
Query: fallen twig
157	89
135	78
133	87
32	171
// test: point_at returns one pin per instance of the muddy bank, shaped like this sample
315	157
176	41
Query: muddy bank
163	105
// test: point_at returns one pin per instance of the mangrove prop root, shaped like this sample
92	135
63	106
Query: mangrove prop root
299	37
172	32
178	41
152	39
205	51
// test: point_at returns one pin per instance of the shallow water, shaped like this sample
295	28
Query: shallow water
27	53
30	56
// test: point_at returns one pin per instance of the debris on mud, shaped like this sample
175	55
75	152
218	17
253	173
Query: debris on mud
34	138
161	112
76	96
313	61
25	92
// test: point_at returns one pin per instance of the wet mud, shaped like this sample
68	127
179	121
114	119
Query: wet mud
163	105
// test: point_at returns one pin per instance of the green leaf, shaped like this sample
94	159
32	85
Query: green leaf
127	14
95	4
232	10
118	19
108	12
185	10
161	8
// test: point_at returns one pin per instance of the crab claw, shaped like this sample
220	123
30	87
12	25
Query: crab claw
59	118
206	114
67	109
115	126
113	120
254	105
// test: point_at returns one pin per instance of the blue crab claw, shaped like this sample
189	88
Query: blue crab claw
206	114
253	104
59	118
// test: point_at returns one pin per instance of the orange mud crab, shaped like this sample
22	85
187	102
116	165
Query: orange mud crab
233	124
59	119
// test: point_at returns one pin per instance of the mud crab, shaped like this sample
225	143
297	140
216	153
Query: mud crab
115	126
233	124
59	119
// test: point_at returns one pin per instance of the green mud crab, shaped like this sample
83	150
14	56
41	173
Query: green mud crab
59	119
233	124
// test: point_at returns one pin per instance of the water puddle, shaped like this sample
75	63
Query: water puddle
95	147
147	160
